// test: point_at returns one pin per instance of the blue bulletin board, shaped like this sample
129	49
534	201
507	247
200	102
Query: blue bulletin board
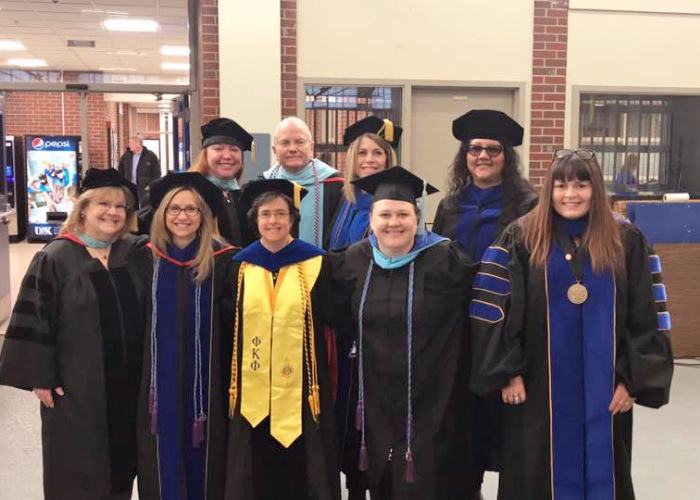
667	222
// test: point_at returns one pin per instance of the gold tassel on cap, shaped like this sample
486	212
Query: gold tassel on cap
297	195
387	130
252	152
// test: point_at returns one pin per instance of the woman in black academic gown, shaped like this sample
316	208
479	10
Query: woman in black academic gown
182	406
569	322
221	162
371	142
408	292
486	193
486	189
76	340
281	440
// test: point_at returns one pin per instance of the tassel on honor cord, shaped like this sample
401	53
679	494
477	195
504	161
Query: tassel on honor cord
423	207
363	463
410	473
153	388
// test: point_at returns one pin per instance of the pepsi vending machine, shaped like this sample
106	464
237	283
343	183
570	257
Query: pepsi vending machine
14	178
51	183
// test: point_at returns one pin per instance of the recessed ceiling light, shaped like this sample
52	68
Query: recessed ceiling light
27	63
132	25
11	45
172	50
175	66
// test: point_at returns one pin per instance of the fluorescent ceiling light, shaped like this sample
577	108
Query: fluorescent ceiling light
120	70
132	25
175	66
122	52
11	45
172	50
110	12
27	63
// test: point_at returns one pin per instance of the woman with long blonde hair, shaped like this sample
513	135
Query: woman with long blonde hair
569	322
371	148
182	410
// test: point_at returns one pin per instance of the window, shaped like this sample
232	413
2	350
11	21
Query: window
629	130
330	110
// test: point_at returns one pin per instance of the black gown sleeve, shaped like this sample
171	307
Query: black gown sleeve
27	359
439	222
645	359
497	314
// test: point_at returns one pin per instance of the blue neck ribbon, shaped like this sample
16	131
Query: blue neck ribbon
94	243
423	242
225	184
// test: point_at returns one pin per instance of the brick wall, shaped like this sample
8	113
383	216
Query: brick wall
209	60
549	52
288	41
45	112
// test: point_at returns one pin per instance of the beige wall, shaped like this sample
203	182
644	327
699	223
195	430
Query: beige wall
675	6
460	40
634	50
249	55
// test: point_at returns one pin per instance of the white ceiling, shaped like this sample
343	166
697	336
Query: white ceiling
45	26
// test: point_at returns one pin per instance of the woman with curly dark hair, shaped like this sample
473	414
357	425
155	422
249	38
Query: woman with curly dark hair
486	193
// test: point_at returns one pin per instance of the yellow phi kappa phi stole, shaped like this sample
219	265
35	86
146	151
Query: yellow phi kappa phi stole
277	339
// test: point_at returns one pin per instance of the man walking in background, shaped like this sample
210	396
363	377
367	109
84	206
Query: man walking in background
140	165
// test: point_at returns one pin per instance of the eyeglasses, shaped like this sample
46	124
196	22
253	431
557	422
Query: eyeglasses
492	151
279	215
105	206
565	154
298	143
174	210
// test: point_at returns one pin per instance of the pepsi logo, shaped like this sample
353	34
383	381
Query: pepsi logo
38	143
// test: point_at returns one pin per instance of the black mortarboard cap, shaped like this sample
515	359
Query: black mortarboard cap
194	180
97	178
226	131
373	125
395	183
294	191
488	124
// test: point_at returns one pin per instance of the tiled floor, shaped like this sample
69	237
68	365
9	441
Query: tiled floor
666	457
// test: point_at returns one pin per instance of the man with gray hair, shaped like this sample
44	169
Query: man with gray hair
140	165
294	149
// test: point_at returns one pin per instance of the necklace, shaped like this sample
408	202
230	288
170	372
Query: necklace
102	254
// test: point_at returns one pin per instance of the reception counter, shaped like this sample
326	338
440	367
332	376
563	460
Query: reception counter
674	230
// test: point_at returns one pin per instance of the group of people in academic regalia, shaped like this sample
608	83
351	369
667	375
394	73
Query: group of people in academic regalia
263	338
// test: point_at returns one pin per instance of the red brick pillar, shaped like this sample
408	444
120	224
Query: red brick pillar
549	52
208	83
288	43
